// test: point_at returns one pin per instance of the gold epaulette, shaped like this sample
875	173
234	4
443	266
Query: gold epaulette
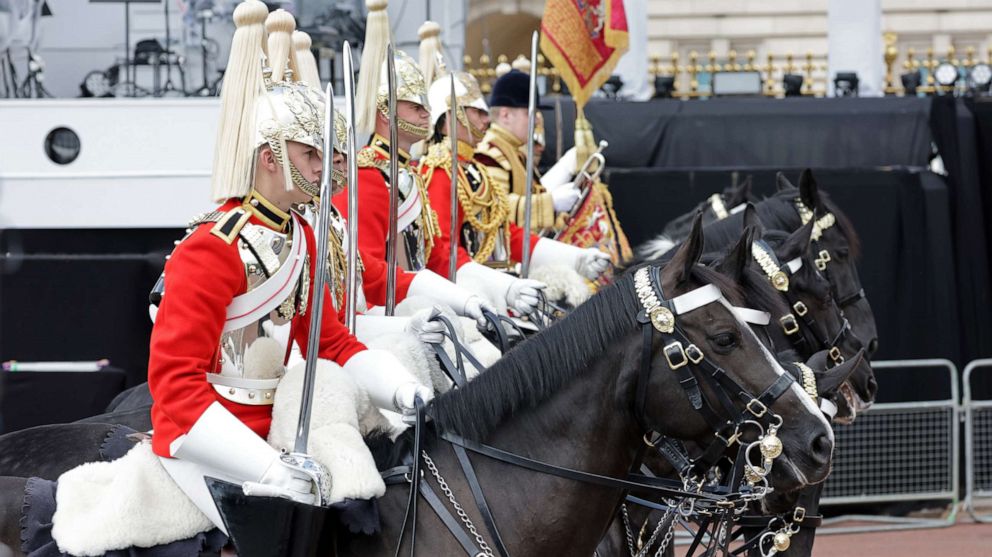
438	156
228	225
366	159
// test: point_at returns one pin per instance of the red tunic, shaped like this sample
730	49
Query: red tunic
439	190
373	206
201	278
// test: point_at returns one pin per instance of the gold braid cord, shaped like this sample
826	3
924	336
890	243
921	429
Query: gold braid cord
337	266
428	216
486	210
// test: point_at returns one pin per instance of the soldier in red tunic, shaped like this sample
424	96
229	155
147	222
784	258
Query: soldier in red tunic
243	267
487	234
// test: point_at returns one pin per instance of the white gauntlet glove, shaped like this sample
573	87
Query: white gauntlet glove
220	441
524	295
565	196
562	172
474	308
426	330
463	302
588	262
389	385
592	263
501	288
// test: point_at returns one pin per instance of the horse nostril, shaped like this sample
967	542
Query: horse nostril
872	346
872	389
822	449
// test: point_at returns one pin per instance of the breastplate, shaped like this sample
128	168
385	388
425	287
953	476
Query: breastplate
256	349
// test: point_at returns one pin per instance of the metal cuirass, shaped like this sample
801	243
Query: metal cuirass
255	348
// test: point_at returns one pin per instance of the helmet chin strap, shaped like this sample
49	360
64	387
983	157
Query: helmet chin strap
462	116
296	177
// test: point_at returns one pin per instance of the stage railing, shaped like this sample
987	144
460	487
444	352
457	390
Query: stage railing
978	443
903	451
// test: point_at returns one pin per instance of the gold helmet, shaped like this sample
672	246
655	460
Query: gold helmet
263	104
410	86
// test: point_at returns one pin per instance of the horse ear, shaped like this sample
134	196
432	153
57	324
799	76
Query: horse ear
742	193
782	183
752	220
690	252
808	191
796	244
829	380
736	261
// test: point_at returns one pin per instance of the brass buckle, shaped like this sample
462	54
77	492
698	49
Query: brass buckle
729	440
694	354
799	514
835	355
651	438
822	259
789	324
761	408
800	308
673	349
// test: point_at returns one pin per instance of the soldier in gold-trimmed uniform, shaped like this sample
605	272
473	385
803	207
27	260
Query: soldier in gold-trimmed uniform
502	152
487	236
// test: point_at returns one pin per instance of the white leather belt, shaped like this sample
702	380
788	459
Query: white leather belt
252	392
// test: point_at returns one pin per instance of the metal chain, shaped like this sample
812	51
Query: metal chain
667	539
486	550
642	552
626	529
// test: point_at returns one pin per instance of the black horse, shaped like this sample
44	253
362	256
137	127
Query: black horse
739	262
835	245
567	397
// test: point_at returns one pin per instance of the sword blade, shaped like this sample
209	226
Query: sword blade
529	186
392	239
351	297
321	236
453	135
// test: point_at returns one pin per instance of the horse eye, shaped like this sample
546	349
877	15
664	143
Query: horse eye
724	340
843	252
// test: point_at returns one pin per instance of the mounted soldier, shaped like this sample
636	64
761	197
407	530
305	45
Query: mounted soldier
503	152
487	237
216	370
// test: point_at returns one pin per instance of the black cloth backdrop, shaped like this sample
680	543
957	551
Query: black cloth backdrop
906	268
72	295
764	133
38	398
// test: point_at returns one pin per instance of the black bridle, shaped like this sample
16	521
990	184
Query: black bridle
685	359
734	405
823	256
811	336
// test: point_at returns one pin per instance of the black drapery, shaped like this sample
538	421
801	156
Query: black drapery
38	398
762	133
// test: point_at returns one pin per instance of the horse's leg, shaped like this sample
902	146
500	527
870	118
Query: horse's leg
11	503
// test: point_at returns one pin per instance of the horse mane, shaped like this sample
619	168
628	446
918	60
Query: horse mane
537	368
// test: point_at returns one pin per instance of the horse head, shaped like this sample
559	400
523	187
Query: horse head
750	390
835	248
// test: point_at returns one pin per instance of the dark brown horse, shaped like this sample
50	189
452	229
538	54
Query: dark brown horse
567	397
